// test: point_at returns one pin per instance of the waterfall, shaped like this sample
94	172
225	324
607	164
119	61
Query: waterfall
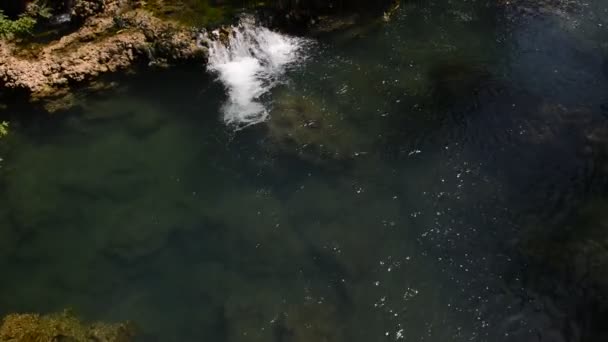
250	62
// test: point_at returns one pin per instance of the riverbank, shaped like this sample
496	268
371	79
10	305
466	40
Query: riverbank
112	40
107	36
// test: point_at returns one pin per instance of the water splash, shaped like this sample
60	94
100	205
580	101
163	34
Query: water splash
250	62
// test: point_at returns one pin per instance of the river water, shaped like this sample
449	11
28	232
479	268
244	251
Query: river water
438	177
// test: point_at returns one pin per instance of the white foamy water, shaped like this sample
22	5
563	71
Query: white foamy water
252	63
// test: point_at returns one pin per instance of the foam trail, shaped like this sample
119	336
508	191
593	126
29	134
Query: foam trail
249	64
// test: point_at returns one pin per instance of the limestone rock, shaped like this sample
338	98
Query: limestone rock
84	9
98	47
63	326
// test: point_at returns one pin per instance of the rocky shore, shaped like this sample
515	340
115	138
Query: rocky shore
110	40
106	36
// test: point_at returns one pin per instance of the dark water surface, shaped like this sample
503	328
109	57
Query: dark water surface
440	177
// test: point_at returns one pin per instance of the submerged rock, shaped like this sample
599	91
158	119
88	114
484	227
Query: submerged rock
61	327
455	83
317	17
516	9
267	316
315	132
568	263
127	231
310	322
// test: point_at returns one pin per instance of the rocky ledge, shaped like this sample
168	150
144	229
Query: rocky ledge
114	35
113	39
61	327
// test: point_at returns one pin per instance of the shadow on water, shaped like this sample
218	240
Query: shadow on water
432	178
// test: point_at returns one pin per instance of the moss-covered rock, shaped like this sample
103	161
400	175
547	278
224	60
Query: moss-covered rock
61	327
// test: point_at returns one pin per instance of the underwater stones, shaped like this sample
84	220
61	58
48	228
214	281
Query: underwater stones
567	118
327	24
458	83
249	314
140	119
568	263
64	99
60	101
8	237
133	201
263	313
300	124
27	211
348	229
61	327
310	322
528	8
138	230
142	241
256	223
142	224
351	25
325	16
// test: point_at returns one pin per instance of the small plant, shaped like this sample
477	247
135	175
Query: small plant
3	129
19	27
40	9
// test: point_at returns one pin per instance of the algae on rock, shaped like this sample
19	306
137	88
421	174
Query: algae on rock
198	13
61	327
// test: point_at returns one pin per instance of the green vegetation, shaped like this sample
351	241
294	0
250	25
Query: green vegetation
3	128
19	27
25	23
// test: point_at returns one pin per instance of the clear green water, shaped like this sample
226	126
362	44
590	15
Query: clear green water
441	177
